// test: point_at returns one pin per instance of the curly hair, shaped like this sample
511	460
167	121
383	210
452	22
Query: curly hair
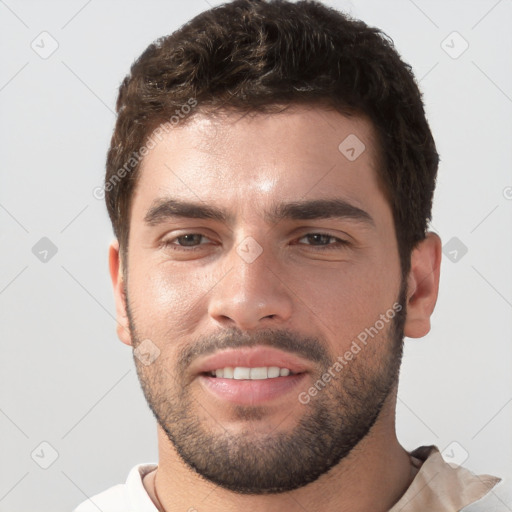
256	56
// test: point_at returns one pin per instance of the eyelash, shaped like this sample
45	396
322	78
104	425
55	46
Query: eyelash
339	242
169	243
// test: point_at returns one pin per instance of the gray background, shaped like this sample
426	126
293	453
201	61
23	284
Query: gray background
65	378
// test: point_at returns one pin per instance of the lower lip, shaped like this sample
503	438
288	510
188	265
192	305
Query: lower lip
251	392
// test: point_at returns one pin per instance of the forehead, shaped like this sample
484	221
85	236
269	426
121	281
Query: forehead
247	162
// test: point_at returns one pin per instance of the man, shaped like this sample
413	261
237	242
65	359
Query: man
270	183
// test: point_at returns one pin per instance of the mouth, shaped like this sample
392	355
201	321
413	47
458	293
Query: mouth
245	373
252	391
259	362
252	376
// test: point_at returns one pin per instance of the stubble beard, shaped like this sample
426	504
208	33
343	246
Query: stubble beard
252	460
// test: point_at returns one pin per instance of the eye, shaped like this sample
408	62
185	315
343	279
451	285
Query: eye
323	241
187	240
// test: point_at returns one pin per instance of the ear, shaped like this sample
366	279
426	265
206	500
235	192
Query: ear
116	275
423	285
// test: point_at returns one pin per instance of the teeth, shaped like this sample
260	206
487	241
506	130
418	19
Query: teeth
228	373
273	371
259	373
241	373
244	373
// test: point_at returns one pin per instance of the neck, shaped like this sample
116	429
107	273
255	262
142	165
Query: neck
378	463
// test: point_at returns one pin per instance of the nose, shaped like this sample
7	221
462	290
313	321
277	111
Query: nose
254	293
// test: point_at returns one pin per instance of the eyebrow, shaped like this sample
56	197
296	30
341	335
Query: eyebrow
165	209
319	209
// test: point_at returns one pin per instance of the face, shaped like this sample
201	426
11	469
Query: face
258	248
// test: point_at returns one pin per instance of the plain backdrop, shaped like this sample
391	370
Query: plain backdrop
70	400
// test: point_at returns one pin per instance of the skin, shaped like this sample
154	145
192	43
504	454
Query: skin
245	165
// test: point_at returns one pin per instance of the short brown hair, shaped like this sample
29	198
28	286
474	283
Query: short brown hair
251	55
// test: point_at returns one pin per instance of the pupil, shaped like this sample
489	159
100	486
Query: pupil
320	238
189	240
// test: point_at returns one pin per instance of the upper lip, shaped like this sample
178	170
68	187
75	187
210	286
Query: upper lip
253	357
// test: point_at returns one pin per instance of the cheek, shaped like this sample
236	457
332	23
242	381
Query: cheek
343	301
167	298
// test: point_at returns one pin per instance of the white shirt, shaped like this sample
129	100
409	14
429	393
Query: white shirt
128	497
437	487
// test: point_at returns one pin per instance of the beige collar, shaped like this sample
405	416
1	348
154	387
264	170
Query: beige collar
439	486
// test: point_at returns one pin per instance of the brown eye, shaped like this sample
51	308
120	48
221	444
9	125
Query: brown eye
319	239
323	241
188	240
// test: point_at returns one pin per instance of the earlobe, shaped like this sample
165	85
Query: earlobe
423	285
116	275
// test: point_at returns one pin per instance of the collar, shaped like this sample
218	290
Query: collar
441	486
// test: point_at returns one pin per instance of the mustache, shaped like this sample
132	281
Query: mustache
308	347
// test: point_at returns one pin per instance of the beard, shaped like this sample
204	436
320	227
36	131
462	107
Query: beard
250	461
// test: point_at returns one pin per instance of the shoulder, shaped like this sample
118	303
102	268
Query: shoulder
128	497
499	498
